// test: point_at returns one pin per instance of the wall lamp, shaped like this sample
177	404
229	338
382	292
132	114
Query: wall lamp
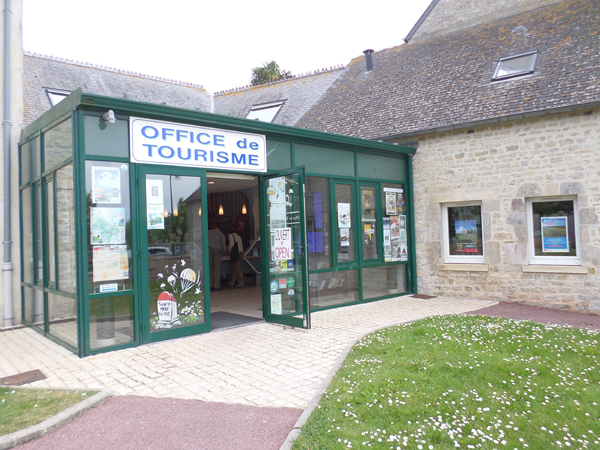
109	116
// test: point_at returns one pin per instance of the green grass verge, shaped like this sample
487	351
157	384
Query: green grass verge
22	408
464	382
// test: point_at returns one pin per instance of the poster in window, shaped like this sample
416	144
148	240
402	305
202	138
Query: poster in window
154	192
554	234
466	236
107	225
390	203
403	252
394	227
400	203
155	217
387	242
110	262
318	202
277	202
402	222
344	215
106	185
344	237
396	249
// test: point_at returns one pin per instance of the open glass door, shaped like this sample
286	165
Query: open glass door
172	256
285	298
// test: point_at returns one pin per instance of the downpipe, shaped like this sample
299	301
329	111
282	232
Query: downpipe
7	267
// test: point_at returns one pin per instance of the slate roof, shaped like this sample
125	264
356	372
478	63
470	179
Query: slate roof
299	93
446	81
46	72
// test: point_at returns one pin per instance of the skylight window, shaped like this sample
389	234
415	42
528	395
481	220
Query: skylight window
56	96
265	112
515	66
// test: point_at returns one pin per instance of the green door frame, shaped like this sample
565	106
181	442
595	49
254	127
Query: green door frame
143	306
291	320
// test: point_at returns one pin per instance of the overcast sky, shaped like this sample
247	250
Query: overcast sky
217	43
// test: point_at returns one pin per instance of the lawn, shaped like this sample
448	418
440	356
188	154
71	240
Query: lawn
22	408
464	382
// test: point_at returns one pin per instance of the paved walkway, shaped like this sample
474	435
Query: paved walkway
261	364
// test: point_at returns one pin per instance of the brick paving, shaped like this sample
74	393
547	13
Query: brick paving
261	364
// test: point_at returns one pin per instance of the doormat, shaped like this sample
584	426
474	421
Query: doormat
423	296
223	319
23	378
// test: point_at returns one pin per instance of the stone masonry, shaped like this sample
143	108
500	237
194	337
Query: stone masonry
501	166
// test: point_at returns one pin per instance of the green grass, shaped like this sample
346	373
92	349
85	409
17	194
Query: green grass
464	382
22	408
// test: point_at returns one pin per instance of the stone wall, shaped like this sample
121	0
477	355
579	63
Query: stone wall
501	166
449	16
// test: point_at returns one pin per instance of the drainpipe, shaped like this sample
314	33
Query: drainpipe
7	268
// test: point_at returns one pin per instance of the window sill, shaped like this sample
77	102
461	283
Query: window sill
465	267
533	268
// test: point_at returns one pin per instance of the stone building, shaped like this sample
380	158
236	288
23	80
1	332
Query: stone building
502	99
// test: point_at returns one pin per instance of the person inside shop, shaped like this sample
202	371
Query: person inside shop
236	251
216	249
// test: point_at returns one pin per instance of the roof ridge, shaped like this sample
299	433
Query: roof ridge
109	69
302	75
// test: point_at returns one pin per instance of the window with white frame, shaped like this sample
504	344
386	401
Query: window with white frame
553	231
515	66
463	235
265	112
56	96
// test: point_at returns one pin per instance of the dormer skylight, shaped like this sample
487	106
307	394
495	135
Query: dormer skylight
56	96
265	112
515	66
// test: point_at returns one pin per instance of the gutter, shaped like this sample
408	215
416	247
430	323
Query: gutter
475	123
7	267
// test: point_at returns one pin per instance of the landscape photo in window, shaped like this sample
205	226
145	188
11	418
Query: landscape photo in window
466	236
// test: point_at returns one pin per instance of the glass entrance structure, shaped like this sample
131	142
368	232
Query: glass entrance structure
116	208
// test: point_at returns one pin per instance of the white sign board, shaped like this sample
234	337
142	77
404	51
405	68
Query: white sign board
282	248
177	144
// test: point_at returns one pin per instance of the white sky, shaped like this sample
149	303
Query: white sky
217	43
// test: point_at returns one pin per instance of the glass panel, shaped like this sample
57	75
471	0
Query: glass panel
318	223
345	228
109	237
58	144
326	161
284	245
383	280
27	235
33	306
175	251
63	318
515	66
265	114
65	229
279	155
111	321
368	209
106	139
554	228
464	230
30	160
380	167
50	236
39	253
333	288
395	245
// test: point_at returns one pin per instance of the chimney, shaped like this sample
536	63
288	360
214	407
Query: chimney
369	59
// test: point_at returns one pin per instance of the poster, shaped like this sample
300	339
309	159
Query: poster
400	203
394	227
390	203
554	234
106	185
277	202
387	241
403	235
276	304
466	236
107	225
403	252
344	237
318	203
316	242
282	244
154	192
110	262
344	220
401	221
154	217
396	249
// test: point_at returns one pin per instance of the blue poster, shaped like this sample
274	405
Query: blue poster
554	234
318	196
316	242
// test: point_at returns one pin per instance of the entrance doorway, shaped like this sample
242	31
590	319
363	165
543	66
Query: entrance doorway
233	206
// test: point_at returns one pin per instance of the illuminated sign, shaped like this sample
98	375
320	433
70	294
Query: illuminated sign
177	144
